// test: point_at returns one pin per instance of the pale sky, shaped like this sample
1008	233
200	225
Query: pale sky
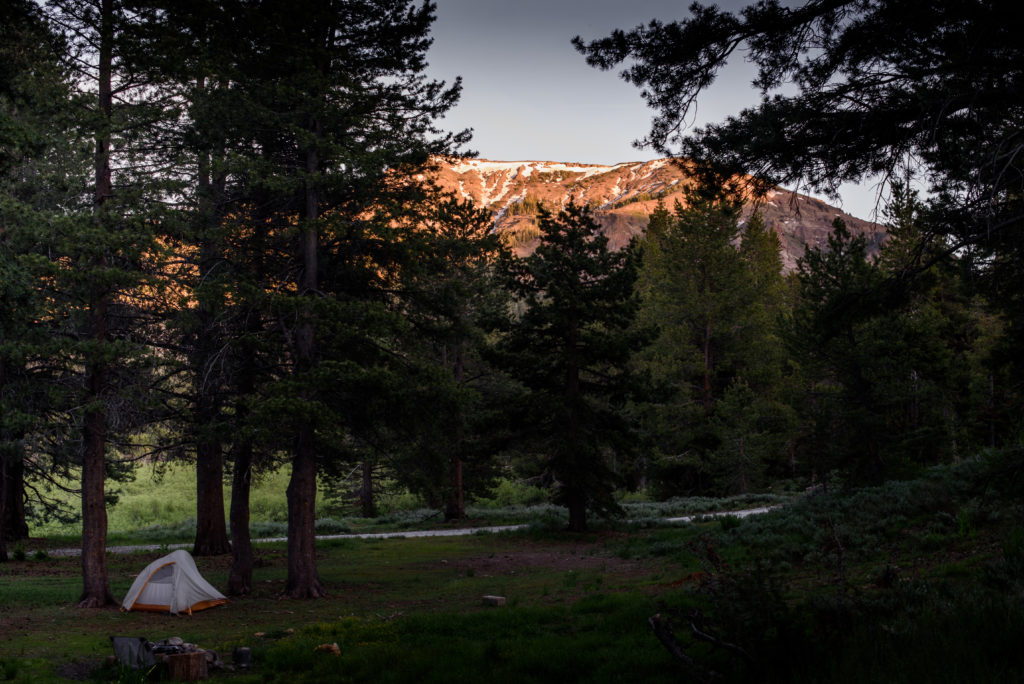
528	95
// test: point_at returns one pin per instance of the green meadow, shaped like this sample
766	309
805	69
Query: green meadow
159	506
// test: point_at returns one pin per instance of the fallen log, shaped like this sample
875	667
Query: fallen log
663	630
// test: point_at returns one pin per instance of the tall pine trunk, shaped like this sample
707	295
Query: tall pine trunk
303	581
707	391
211	531
706	387
12	484
95	582
240	574
367	504
576	502
574	497
12	489
3	497
455	508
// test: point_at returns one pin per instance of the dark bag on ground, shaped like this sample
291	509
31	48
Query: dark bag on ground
133	652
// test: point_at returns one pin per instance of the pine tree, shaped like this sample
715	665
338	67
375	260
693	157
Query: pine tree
450	290
31	88
187	48
102	306
887	347
341	120
570	349
713	287
848	93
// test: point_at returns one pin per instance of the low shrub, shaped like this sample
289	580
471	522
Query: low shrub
508	493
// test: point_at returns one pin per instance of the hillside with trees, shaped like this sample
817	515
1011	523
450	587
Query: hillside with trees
621	197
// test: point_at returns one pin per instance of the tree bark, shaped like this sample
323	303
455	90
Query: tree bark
367	505
240	574
708	366
211	531
455	508
13	526
576	502
303	581
3	498
575	498
12	520
3	476
456	505
95	583
187	667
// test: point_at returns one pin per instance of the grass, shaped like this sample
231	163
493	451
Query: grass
158	507
595	639
160	499
577	609
376	582
911	581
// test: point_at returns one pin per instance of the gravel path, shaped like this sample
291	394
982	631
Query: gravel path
392	535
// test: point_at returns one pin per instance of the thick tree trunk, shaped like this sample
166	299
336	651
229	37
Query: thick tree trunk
3	477
709	363
575	499
455	508
576	502
12	484
96	586
303	581
367	504
3	502
211	531
240	574
95	583
456	505
9	490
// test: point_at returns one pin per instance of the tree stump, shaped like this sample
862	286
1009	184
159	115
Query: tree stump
187	667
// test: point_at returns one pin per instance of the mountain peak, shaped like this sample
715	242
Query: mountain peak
622	196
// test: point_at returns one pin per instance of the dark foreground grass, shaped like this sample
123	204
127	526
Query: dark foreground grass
603	639
599	639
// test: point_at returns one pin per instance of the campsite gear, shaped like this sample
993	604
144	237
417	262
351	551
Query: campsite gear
242	656
133	652
172	584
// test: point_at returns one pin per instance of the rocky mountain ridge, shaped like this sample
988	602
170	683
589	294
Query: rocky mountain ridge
622	197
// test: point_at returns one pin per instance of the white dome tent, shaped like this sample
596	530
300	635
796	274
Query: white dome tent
172	584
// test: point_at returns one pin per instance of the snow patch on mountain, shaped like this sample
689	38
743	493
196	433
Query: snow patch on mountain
625	194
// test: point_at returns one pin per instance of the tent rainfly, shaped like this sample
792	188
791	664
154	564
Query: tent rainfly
172	584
